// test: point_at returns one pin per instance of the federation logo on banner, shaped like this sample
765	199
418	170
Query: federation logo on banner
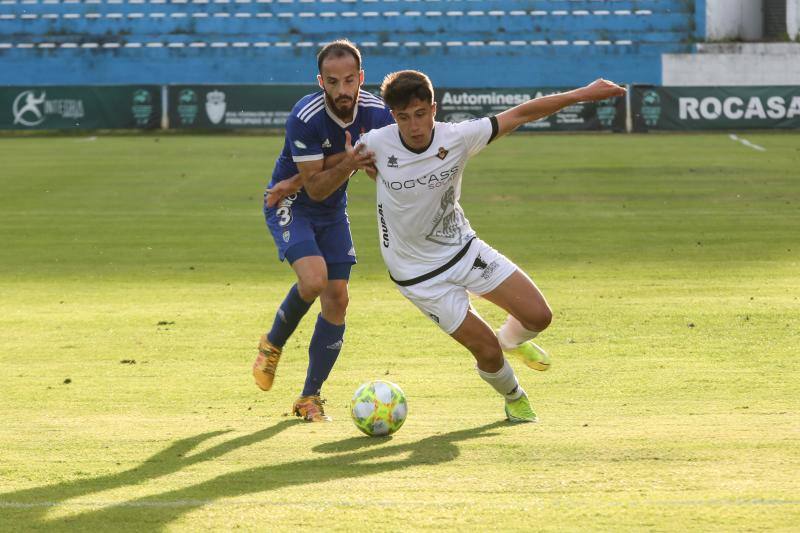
28	108
215	106
187	106
651	107
142	107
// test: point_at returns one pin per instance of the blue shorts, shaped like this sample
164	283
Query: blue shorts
298	233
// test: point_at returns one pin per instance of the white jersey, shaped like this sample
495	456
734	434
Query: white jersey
421	225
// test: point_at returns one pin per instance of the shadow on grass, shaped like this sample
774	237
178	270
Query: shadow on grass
349	458
25	509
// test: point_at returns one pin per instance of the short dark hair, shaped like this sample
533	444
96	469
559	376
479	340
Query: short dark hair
399	88
338	48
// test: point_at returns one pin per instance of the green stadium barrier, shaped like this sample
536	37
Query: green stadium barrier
455	105
80	107
232	106
715	108
266	106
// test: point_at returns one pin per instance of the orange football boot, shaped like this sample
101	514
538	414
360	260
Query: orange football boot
266	363
310	409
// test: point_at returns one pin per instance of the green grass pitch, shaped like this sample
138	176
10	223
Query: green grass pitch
136	275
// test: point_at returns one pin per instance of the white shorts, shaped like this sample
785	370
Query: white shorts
444	298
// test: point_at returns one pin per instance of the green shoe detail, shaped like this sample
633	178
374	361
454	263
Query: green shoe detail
532	355
519	410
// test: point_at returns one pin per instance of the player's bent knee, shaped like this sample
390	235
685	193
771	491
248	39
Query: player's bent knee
538	320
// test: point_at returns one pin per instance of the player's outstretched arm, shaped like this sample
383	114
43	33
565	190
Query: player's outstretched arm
511	119
289	186
320	185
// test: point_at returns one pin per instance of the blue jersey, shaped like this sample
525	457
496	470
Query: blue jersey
312	133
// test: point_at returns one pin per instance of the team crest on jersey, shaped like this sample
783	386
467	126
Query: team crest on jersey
327	143
442	153
392	161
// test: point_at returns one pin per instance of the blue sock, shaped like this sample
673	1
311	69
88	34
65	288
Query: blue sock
289	314
326	343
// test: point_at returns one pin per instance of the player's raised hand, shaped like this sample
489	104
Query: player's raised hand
356	157
601	89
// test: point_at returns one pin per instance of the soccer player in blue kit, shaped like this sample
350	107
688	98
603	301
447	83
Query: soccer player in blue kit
308	221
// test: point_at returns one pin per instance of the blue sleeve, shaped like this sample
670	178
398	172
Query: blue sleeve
304	141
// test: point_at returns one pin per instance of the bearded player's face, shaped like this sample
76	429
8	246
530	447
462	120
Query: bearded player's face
341	79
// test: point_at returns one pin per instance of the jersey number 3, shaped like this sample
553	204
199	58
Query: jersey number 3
284	215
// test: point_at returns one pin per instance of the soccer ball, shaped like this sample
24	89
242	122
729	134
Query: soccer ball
378	408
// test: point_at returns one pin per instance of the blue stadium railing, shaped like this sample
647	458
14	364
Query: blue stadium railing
459	42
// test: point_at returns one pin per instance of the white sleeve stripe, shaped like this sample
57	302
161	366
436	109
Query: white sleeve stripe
311	112
371	105
375	102
308	109
302	158
370	97
311	103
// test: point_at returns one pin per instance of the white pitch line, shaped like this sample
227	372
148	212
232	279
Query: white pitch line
747	143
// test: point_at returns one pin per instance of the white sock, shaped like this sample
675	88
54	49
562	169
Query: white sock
512	334
503	381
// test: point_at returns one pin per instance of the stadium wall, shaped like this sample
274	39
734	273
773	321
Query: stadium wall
728	59
734	19
734	64
793	19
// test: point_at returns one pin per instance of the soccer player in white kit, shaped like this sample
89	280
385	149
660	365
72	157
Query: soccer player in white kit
433	255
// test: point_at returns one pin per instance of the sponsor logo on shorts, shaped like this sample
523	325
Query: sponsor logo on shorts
352	251
479	263
489	270
286	236
434	317
300	144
